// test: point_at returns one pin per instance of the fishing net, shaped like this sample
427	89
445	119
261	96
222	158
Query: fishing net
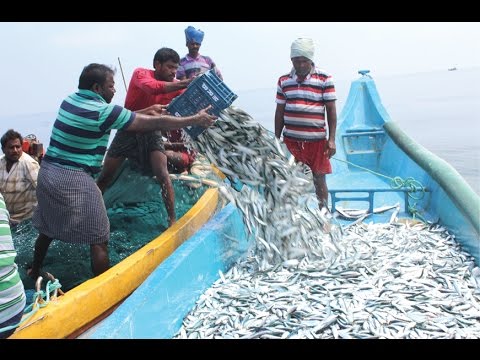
137	215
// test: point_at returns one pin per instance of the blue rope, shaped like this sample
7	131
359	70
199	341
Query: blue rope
40	299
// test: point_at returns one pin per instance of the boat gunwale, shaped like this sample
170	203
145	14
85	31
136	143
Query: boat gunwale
86	302
454	185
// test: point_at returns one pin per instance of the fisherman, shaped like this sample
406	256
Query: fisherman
181	157
18	178
70	205
147	151
193	63
305	96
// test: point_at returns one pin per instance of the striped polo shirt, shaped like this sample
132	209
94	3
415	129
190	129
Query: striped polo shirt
12	293
81	131
190	67
304	117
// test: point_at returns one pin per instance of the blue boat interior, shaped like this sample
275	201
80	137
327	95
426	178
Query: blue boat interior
363	175
376	166
159	305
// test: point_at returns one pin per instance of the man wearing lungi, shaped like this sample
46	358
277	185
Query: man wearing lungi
70	204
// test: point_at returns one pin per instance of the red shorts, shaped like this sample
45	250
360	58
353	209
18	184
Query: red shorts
311	153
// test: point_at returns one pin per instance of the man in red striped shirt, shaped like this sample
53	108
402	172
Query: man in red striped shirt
305	99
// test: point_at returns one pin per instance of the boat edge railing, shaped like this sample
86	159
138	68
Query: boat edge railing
455	186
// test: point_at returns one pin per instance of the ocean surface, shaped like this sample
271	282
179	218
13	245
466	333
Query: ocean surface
438	109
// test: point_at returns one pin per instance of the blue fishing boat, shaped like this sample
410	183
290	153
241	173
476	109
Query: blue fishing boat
376	165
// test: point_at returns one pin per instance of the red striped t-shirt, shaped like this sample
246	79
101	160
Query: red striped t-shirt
304	117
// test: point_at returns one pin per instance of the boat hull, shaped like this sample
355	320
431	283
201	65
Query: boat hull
373	151
176	284
79	308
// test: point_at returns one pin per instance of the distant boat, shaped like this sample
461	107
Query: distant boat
452	69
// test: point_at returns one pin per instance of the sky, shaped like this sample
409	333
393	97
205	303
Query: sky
41	61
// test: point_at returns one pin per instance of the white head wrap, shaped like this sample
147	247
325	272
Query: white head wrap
303	47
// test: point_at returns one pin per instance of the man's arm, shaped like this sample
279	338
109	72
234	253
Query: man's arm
279	122
332	127
32	169
213	66
174	146
153	110
144	122
170	86
217	71
143	79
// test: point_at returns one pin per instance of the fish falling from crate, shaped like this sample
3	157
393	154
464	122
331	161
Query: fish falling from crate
273	204
277	199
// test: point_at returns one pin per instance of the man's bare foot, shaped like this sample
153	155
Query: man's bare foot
31	274
44	274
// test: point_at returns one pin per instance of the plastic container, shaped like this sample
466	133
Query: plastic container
206	89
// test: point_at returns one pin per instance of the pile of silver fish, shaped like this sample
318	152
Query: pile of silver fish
272	199
306	277
388	281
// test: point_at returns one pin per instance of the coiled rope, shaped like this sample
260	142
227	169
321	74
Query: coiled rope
415	189
40	299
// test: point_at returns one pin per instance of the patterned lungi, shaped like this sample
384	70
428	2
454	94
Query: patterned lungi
70	206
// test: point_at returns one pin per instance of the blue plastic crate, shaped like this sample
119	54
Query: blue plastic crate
206	89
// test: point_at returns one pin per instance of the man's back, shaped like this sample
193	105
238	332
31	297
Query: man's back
81	131
12	293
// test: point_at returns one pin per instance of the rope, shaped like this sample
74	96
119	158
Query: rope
38	302
412	186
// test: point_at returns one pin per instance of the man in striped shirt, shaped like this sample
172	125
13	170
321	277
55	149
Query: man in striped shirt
180	155
305	99
70	204
193	63
12	293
